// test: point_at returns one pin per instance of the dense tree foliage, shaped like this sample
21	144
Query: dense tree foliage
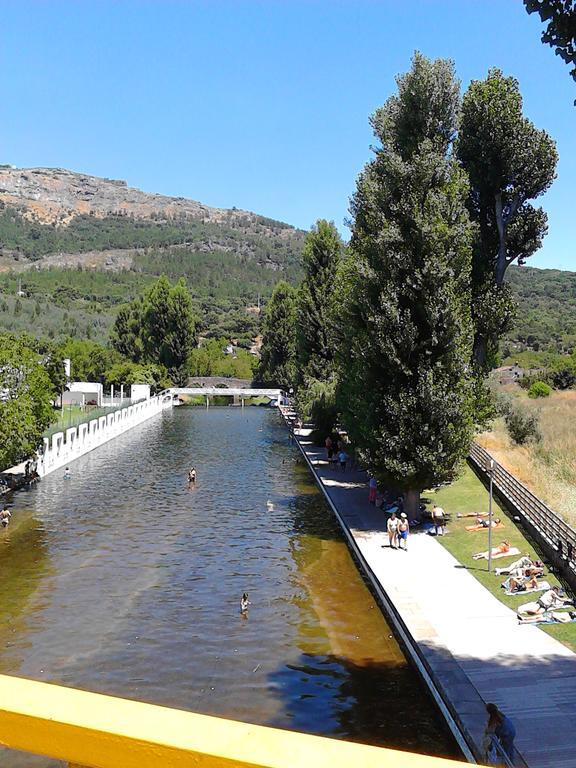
560	32
321	256
509	162
26	392
278	353
158	327
406	342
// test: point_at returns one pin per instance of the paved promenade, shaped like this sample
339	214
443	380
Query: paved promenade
471	643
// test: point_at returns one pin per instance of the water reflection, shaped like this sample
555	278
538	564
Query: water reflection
138	578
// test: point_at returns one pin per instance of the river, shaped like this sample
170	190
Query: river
124	580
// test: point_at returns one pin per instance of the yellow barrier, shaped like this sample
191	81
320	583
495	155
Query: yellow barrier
98	731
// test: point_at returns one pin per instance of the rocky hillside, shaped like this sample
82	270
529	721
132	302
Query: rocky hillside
64	218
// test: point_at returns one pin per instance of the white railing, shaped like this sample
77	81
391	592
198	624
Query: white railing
63	447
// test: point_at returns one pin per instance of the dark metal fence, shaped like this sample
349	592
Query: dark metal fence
555	537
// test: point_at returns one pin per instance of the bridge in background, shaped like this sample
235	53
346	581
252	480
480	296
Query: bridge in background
276	396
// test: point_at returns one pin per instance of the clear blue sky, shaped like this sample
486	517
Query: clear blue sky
262	105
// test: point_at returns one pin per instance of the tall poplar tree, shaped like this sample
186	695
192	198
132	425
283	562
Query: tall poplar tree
321	255
278	354
405	382
509	162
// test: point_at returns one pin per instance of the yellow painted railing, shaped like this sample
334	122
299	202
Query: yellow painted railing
98	731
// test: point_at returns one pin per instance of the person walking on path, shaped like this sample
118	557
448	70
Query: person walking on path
329	448
372	489
438	519
392	528
343	458
503	728
403	531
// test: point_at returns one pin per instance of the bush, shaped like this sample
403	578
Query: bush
564	376
522	427
539	389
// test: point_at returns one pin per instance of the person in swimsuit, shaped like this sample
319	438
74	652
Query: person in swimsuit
5	516
403	531
501	549
244	603
192	475
392	528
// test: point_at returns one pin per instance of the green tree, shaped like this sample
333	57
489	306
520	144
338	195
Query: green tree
278	354
126	373
560	32
26	401
88	359
406	387
321	256
158	327
509	162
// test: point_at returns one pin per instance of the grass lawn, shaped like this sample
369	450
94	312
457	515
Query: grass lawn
467	494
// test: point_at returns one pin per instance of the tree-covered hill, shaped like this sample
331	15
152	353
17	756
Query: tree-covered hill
546	317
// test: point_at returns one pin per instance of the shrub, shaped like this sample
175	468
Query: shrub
564	376
522	427
539	389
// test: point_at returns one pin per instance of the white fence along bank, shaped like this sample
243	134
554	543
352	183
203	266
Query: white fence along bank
63	447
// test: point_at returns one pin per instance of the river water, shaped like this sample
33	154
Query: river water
123	580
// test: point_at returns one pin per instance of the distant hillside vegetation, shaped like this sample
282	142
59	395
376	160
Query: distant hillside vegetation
79	246
546	319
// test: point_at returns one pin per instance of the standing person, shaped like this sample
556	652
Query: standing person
438	519
329	448
192	476
372	490
502	727
403	531
343	458
5	516
392	528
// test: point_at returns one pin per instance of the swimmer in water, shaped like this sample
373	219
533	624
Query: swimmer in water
67	474
192	476
5	516
244	603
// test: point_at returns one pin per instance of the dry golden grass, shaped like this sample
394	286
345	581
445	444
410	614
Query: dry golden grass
548	468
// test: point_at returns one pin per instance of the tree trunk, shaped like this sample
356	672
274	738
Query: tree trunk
480	351
412	504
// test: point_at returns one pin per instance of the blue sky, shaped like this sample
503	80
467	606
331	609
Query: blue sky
262	105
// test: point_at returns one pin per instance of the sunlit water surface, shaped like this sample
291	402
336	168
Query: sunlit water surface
124	580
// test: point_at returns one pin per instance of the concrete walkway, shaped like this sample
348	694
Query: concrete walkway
470	643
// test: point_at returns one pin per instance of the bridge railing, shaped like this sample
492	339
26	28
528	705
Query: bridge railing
89	729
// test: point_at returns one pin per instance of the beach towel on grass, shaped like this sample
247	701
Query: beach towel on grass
542	587
484	555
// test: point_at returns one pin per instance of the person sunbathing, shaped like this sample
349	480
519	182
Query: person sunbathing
481	524
513	584
501	549
518	567
475	515
562	617
549	601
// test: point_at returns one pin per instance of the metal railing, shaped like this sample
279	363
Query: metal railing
556	538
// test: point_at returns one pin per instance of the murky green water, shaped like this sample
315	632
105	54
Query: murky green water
124	580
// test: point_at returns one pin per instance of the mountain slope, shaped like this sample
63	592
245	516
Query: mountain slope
55	217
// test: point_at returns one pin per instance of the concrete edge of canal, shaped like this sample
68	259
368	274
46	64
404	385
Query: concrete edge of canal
444	678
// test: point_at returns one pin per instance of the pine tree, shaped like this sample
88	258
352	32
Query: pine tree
278	354
404	354
321	255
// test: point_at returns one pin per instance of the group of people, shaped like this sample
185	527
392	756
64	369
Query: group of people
398	530
335	453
